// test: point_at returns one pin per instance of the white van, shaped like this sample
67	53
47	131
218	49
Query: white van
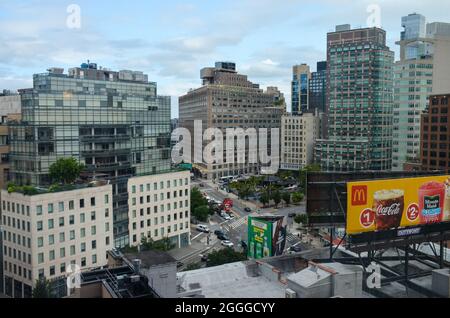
202	228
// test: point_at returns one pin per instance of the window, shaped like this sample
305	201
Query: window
61	206
72	250
52	255
106	199
93	230
94	259
83	233
93	216
39	226
50	224
83	247
94	245
51	240
92	201
39	210
62	237
71	205
83	262
40	258
61	222
62	252
40	242
72	235
50	208
82	218
82	203
72	219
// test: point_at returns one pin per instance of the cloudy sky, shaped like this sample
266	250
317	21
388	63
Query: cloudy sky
171	40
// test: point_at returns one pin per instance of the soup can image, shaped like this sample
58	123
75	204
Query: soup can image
432	196
388	207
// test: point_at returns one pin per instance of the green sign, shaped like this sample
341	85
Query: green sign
259	238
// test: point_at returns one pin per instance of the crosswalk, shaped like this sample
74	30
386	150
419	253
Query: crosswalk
292	239
237	223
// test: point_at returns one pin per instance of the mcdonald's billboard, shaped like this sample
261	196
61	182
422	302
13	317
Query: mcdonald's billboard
384	205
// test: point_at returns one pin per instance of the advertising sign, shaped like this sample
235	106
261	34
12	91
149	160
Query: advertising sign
266	236
383	205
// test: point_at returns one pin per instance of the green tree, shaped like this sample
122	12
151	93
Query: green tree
276	197
301	219
42	289
286	196
201	213
225	256
197	200
65	170
192	267
297	197
264	199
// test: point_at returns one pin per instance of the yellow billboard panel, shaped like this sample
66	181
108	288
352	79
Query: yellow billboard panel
383	205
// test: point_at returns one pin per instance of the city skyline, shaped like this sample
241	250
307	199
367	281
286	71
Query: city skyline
259	36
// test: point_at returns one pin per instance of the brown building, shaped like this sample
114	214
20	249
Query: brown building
4	148
435	134
228	100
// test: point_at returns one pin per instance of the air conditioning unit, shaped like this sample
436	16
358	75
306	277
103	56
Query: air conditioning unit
290	294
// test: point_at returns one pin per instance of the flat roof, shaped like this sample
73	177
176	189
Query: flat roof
151	258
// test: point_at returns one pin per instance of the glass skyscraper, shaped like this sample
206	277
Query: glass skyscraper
360	102
113	122
318	89
300	88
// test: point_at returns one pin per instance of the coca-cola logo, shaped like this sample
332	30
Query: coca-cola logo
393	209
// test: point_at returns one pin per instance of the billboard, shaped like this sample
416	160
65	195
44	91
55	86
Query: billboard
384	205
266	236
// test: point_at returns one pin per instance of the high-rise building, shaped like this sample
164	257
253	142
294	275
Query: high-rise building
45	233
228	100
422	70
435	134
113	122
318	89
298	137
359	103
300	88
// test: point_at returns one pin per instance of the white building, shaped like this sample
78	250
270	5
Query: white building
10	104
298	136
160	208
45	233
423	70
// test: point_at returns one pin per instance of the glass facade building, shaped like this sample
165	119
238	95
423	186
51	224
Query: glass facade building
360	102
300	88
113	122
318	88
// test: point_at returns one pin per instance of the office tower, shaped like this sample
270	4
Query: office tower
298	137
318	89
113	122
45	233
360	101
422	70
435	134
228	100
300	88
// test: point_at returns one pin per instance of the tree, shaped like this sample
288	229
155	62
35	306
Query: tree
197	200
201	213
264	199
225	256
301	219
42	289
163	245
286	196
192	267
65	170
276	197
297	197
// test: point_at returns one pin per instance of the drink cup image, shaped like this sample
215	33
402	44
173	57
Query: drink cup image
431	202
388	207
446	217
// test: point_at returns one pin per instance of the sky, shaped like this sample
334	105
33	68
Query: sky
172	40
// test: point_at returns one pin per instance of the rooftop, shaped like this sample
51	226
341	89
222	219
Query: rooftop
151	258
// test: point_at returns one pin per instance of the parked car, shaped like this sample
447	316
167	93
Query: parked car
248	210
292	215
223	237
227	244
179	264
204	258
219	232
226	216
296	248
202	228
244	244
